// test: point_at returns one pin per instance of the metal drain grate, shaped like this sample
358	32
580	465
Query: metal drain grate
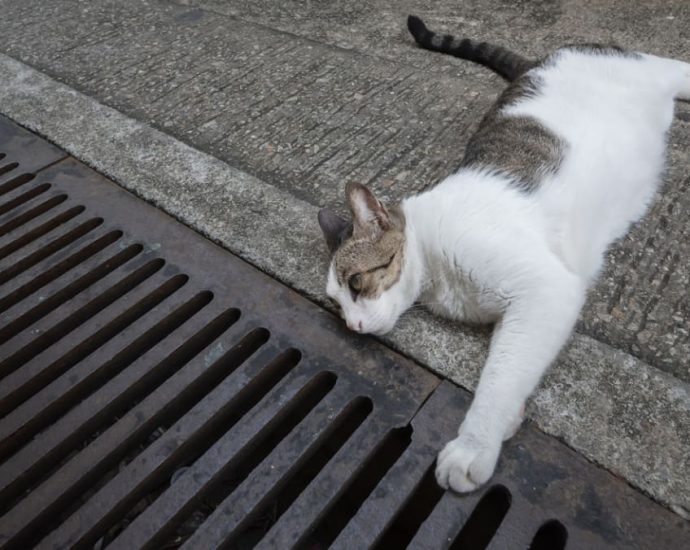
157	392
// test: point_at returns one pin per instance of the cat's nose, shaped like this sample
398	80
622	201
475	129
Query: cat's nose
355	326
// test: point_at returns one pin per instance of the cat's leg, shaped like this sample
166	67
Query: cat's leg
535	326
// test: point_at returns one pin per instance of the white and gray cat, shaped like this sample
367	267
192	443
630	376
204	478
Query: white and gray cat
569	156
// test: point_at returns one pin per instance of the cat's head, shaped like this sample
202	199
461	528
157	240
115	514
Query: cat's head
364	278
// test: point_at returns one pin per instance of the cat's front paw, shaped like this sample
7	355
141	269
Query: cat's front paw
466	463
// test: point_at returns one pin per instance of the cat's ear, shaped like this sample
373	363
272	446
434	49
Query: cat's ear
369	215
334	228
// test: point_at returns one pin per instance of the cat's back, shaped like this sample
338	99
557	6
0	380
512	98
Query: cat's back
583	134
580	98
599	107
611	110
596	90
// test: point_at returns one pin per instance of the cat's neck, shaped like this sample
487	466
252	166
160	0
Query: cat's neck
443	227
414	275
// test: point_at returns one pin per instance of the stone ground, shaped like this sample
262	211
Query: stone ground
293	99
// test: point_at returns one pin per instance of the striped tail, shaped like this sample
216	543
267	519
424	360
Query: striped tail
500	60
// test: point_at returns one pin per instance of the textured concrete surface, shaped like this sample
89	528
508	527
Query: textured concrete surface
305	96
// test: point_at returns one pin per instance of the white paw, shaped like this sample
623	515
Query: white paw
466	463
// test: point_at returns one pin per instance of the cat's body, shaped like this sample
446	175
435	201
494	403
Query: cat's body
568	158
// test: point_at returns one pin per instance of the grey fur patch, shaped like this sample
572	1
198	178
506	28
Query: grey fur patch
601	49
520	146
517	146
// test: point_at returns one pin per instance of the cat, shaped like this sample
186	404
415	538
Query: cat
569	156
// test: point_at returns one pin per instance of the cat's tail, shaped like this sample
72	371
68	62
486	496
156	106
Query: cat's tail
497	58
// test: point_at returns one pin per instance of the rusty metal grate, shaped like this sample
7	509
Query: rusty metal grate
156	391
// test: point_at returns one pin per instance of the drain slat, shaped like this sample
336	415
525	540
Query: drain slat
47	305
47	301
436	423
63	244
408	493
53	277
49	222
517	529
13	183
122	340
485	520
115	399
160	408
18	232
309	472
406	517
379	511
189	436
44	348
25	197
277	469
445	521
17	224
13	221
61	238
6	168
326	524
214	475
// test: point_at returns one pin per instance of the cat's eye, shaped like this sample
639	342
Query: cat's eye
355	283
383	266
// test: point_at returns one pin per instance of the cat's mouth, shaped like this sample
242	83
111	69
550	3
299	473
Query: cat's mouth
361	327
354	326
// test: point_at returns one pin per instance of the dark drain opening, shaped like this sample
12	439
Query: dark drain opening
129	508
50	249
150	430
70	291
343	509
29	215
273	506
8	167
101	336
91	344
414	512
24	197
187	520
15	182
63	267
105	417
550	536
125	357
74	320
484	520
39	231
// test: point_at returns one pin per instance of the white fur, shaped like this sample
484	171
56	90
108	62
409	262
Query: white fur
479	250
